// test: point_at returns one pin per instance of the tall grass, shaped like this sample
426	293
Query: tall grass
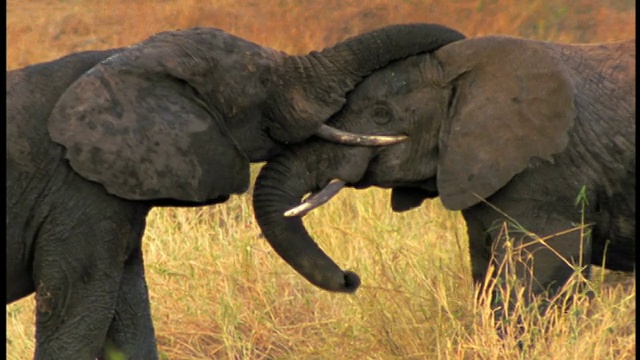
219	292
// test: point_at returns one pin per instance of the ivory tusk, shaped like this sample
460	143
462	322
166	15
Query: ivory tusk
316	200
339	136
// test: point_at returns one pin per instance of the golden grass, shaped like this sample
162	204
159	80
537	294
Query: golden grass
219	292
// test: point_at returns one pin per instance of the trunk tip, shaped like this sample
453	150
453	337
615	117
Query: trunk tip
351	282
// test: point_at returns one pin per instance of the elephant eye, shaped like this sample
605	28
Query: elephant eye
382	115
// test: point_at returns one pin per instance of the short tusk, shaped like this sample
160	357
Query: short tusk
338	136
316	200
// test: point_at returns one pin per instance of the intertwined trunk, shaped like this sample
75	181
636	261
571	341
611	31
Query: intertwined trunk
315	85
281	185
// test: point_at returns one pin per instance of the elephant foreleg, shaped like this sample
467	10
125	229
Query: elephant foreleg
479	249
131	331
86	255
77	278
540	252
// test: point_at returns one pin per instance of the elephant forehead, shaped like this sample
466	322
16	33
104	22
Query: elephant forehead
396	82
396	79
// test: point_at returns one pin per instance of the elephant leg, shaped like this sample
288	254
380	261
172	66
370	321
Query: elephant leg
541	264
479	248
76	293
131	331
78	265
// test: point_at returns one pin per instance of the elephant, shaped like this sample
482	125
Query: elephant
96	139
504	129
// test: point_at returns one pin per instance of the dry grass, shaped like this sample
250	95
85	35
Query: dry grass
218	291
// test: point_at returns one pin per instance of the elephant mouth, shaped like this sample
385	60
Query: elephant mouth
326	193
334	186
317	199
322	196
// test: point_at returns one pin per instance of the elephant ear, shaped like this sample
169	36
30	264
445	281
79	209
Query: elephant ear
512	102
134	124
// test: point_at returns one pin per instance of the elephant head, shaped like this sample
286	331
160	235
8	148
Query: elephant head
476	112
180	115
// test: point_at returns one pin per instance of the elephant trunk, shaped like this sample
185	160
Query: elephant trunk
315	85
281	185
359	56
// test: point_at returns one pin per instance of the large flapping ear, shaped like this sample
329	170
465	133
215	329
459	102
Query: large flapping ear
135	124
513	101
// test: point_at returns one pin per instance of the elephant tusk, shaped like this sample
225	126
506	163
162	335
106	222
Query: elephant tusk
316	200
339	136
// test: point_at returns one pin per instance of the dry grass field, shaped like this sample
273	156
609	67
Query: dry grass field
217	289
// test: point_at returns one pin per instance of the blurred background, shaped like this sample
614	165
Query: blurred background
218	291
38	30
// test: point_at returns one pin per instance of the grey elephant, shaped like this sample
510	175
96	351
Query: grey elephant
96	139
503	129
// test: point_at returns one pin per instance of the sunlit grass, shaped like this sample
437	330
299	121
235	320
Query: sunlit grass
217	289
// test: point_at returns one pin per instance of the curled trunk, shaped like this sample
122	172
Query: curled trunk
281	185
